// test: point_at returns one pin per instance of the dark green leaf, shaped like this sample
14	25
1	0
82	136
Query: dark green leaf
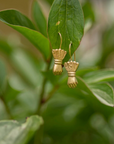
88	12
23	25
12	132
50	1
39	18
67	18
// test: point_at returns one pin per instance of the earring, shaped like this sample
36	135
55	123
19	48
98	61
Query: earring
58	55
71	68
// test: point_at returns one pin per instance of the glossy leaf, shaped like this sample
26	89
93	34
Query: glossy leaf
99	76
12	132
23	25
39	18
67	18
104	93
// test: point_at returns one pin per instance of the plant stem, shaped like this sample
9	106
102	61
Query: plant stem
7	108
50	94
41	96
43	88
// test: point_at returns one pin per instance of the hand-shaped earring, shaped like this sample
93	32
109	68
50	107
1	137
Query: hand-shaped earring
58	55
71	68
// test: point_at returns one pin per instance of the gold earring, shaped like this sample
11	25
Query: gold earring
71	68
58	55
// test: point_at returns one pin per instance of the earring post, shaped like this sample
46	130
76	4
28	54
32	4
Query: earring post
61	39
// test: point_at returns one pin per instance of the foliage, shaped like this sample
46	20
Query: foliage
28	86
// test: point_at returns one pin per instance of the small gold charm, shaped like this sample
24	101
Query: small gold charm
71	68
58	55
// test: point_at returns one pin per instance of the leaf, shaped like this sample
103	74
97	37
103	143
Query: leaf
10	93
84	71
67	18
25	66
23	25
99	76
2	75
12	132
104	93
88	11
50	1
107	47
39	18
92	95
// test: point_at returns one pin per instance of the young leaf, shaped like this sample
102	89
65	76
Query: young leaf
23	25
66	17
12	132
39	18
99	76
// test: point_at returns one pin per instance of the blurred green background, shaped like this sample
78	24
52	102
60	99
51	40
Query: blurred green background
71	116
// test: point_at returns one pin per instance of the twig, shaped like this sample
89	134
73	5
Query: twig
7	108
43	88
50	94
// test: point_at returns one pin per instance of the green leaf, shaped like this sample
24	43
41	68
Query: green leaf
84	71
2	75
67	18
23	25
12	132
103	92
10	93
25	66
88	12
107	47
39	18
50	1
99	76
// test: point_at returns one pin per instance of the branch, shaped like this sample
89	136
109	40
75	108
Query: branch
7	108
50	94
